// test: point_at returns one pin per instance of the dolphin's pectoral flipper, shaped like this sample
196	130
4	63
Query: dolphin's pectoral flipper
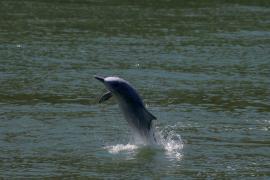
105	97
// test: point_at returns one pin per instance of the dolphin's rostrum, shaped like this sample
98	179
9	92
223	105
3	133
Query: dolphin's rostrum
132	106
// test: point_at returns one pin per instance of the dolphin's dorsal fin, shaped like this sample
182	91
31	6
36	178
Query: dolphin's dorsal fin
149	115
105	97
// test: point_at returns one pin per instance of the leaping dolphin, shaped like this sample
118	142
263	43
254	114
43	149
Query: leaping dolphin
132	106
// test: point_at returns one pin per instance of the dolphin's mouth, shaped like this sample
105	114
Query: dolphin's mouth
101	79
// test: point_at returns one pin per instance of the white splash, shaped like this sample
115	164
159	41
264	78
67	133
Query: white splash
171	142
121	147
168	140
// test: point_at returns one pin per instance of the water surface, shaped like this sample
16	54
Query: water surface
202	68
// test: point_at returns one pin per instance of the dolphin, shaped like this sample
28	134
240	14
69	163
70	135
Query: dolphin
132	106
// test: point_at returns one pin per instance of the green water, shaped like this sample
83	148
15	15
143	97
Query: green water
202	68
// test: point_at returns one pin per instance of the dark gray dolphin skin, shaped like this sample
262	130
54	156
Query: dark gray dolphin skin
132	106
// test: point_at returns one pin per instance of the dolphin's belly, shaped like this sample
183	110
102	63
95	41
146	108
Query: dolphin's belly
136	119
131	115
